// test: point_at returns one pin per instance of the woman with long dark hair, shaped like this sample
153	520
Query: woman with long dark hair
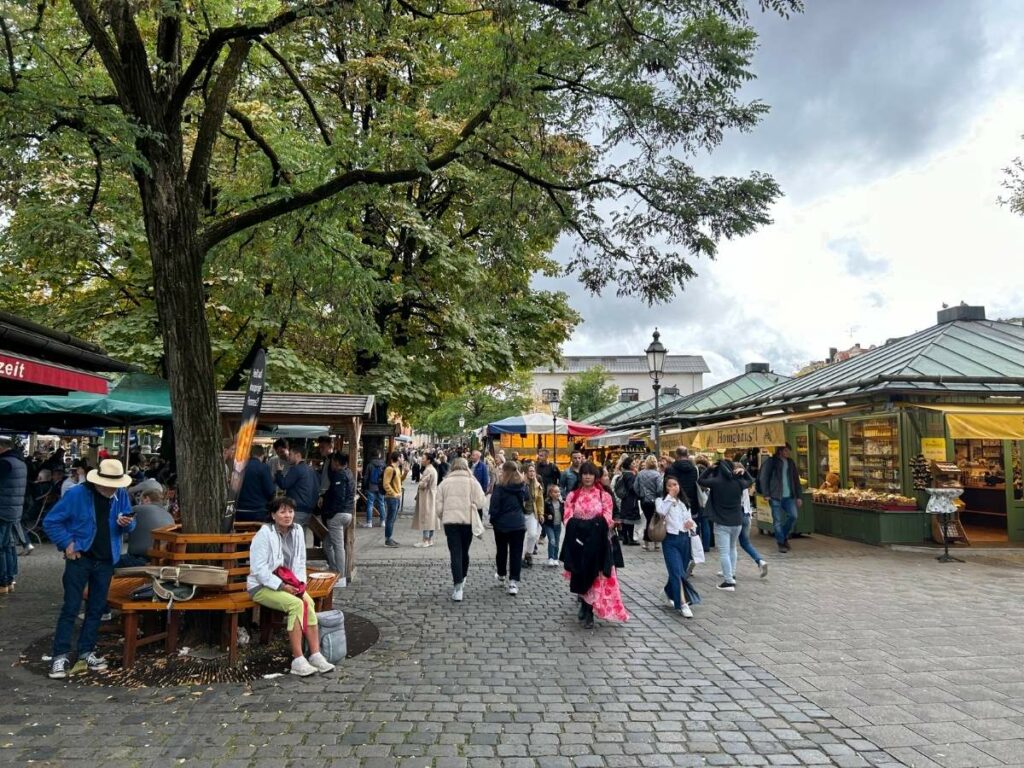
508	512
588	516
680	526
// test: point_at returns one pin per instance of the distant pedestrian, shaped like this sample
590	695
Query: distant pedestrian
648	489
13	485
459	501
301	484
588	519
570	475
553	507
629	503
508	510
442	466
744	539
678	546
337	514
480	470
425	519
257	489
373	478
392	485
547	472
727	486
779	480
534	510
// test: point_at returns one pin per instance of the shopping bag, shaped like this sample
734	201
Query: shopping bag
477	522
532	535
697	549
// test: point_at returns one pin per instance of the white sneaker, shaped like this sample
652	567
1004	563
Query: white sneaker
669	603
366	525
719	573
320	663
430	542
457	592
763	565
685	611
552	562
500	581
341	582
513	588
302	668
420	544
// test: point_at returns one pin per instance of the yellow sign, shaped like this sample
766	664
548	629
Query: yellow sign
834	460
933	448
741	436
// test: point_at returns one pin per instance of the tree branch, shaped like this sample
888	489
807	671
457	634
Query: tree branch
9	49
279	174
213	115
294	77
104	46
242	221
210	49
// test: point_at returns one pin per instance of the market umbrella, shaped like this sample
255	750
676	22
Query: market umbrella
541	424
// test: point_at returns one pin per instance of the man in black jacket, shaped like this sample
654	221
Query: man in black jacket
547	472
685	471
779	480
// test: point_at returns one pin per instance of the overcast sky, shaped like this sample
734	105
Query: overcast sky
891	123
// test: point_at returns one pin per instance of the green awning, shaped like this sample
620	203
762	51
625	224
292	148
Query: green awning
135	399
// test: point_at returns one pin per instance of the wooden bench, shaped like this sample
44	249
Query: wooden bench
231	604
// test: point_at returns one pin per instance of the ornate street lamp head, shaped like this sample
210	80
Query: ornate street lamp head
656	353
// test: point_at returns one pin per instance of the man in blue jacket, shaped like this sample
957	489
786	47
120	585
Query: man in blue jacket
257	489
87	525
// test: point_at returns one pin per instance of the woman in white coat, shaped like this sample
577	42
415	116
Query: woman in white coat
277	579
459	501
425	519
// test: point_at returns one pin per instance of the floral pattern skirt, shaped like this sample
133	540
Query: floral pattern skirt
605	597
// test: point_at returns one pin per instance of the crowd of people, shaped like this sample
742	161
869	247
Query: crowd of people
683	506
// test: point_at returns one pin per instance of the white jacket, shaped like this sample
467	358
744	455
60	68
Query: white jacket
675	512
266	555
459	497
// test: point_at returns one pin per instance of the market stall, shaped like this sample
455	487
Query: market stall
530	432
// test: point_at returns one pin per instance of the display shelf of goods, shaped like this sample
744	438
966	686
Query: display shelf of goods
866	499
919	468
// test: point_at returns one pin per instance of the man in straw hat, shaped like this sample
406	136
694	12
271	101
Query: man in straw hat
87	525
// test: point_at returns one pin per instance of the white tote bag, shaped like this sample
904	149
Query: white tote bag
697	549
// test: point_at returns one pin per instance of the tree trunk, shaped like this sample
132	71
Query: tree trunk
172	222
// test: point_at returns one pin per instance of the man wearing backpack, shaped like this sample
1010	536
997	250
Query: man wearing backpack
373	478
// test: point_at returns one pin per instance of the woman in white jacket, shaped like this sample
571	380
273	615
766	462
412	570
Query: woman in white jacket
679	524
282	544
459	501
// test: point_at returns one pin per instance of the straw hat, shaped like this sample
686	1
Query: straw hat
110	474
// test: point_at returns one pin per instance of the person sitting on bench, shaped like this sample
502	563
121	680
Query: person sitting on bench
277	580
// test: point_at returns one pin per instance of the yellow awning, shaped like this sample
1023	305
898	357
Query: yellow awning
965	422
758	433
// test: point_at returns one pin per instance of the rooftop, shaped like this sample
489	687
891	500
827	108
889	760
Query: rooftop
626	364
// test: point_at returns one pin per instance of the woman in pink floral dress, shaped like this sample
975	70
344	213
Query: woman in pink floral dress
585	503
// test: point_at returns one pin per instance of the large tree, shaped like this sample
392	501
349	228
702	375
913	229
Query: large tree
586	110
587	392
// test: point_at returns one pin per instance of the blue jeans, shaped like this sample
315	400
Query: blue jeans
783	518
727	537
553	533
704	528
676	551
374	499
745	543
8	552
78	574
391	506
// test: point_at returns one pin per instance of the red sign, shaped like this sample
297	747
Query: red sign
32	371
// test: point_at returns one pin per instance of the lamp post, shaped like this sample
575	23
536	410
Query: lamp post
655	367
550	396
462	426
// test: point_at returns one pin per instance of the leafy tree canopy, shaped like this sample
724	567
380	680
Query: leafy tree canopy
587	392
478	405
365	186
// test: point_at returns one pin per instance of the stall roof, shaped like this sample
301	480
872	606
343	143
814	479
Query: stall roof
958	357
608	412
28	338
299	407
707	399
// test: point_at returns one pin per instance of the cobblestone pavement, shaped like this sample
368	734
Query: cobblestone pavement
845	655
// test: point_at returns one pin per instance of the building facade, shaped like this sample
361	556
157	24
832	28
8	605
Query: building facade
627	372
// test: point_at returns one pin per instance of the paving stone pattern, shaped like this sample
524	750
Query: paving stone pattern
846	655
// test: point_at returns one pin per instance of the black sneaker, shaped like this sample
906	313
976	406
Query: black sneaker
725	586
391	543
783	548
59	668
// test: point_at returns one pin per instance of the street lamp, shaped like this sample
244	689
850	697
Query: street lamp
462	426
655	367
550	396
